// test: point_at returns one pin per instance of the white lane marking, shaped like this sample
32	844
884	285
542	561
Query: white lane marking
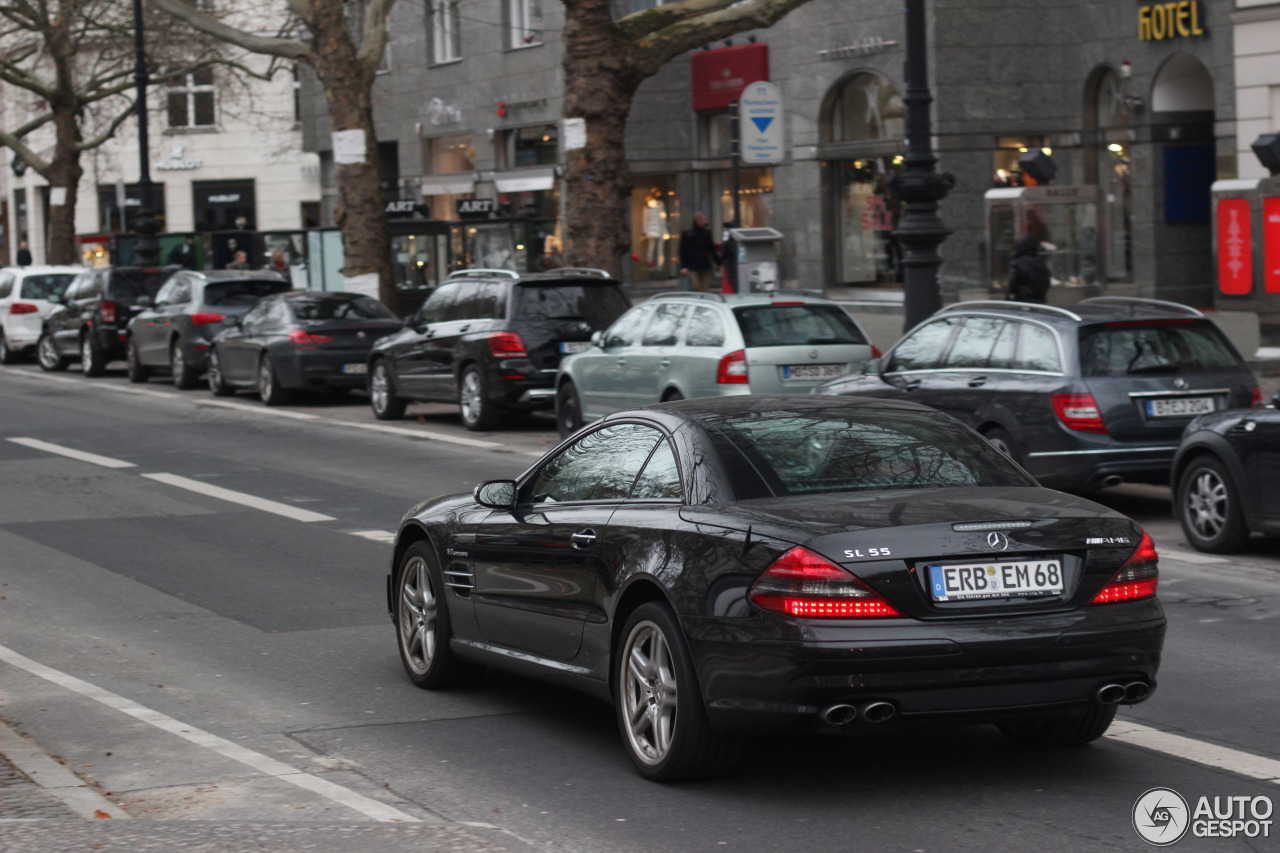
1192	557
1208	754
419	433
241	498
375	535
54	778
262	763
257	410
92	458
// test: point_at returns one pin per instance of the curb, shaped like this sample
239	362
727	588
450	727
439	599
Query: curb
56	779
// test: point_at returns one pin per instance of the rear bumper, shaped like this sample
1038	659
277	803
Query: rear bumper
1089	466
975	671
324	369
517	384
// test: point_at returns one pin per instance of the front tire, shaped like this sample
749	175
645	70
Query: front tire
269	388
568	409
217	382
184	376
1209	507
422	622
659	706
479	413
1075	730
92	360
47	354
382	394
7	356
138	372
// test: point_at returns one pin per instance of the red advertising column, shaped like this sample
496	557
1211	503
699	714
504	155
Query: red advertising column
1271	245
1235	247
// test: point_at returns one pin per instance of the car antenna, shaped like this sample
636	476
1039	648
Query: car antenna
746	543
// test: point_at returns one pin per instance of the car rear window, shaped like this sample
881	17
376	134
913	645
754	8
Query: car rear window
791	325
243	293
1128	348
341	308
126	285
46	285
856	450
597	304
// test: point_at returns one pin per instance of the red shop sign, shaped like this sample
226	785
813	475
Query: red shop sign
1235	247
1271	245
720	75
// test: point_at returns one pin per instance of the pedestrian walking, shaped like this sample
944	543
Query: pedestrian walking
1028	274
24	254
698	255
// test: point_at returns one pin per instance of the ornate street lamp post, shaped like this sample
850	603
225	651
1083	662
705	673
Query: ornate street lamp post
145	226
920	186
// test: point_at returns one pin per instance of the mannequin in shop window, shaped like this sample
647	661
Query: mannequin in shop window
655	228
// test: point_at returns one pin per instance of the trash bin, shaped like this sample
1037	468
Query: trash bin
757	258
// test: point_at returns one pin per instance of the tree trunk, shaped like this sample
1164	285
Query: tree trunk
361	212
64	172
599	83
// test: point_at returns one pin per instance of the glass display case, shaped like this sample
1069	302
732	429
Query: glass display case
1066	220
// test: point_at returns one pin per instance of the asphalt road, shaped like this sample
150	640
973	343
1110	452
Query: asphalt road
225	656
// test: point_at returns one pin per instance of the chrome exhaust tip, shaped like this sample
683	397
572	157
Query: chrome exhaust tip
839	714
1110	694
878	711
1136	691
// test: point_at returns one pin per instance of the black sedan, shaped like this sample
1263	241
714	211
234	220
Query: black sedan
1225	475
300	340
717	565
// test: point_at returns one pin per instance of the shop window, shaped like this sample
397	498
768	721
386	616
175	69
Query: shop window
112	220
524	23
446	31
1108	117
224	205
1005	169
715	134
191	100
448	155
528	146
866	106
867	212
655	232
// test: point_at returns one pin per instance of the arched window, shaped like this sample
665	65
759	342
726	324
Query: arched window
865	107
1182	84
1107	117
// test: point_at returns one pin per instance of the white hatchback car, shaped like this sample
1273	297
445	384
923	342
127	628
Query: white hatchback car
25	300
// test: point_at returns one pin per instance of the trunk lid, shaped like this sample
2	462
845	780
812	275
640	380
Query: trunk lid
796	369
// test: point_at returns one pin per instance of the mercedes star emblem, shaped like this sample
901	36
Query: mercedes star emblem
997	541
813	353
1179	383
361	335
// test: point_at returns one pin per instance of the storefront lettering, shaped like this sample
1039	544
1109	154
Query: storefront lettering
1161	21
226	198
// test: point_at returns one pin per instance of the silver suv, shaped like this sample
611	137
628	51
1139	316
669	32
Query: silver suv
680	345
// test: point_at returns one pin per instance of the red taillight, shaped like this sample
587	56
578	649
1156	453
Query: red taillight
507	345
808	585
732	369
302	337
25	308
1136	579
1079	412
206	319
875	351
1258	401
107	311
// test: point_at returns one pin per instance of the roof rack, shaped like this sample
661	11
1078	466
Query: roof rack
689	294
1141	302
481	272
591	271
1027	307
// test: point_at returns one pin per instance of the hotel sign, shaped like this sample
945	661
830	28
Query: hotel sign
1160	21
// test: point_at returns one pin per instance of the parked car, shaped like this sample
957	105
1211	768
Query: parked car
1226	477
300	340
27	296
92	322
821	563
175	333
1082	397
491	341
680	345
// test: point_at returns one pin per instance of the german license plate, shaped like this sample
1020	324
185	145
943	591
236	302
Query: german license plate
568	347
359	368
1179	407
811	371
969	581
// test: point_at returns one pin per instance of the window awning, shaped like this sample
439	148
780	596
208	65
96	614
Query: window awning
459	184
525	180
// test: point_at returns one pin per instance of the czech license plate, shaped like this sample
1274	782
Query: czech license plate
355	369
811	371
568	347
1179	407
995	580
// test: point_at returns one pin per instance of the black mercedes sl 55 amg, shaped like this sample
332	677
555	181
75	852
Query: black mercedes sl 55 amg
743	563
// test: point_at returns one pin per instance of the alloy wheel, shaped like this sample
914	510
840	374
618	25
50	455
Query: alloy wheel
264	379
649	693
48	353
1207	503
379	388
469	397
417	616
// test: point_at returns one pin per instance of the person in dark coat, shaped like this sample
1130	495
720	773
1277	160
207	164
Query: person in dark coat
1028	274
24	254
698	255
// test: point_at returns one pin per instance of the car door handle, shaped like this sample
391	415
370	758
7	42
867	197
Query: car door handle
621	361
977	381
666	362
584	538
462	329
911	385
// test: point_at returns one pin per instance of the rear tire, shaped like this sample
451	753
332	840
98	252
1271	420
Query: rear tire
1075	730
92	361
479	413
1208	507
47	354
1003	442
184	376
422	622
217	382
568	409
269	388
382	394
138	372
7	356
672	396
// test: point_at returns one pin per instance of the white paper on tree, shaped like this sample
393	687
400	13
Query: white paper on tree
57	196
349	146
575	133
365	285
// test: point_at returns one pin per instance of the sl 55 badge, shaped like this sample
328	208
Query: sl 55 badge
856	554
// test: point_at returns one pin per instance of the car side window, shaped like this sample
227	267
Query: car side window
253	319
437	304
705	328
166	293
976	342
626	331
492	301
181	294
660	477
1038	350
922	348
600	466
662	329
469	303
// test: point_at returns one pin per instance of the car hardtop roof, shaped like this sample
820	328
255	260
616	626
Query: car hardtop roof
734	299
697	408
1098	309
45	269
323	294
563	275
239	275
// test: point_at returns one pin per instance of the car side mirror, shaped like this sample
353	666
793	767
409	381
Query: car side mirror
597	340
145	301
1275	399
871	366
496	494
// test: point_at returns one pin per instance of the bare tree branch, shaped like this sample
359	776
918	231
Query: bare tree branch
269	45
19	147
120	118
374	43
646	21
658	48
